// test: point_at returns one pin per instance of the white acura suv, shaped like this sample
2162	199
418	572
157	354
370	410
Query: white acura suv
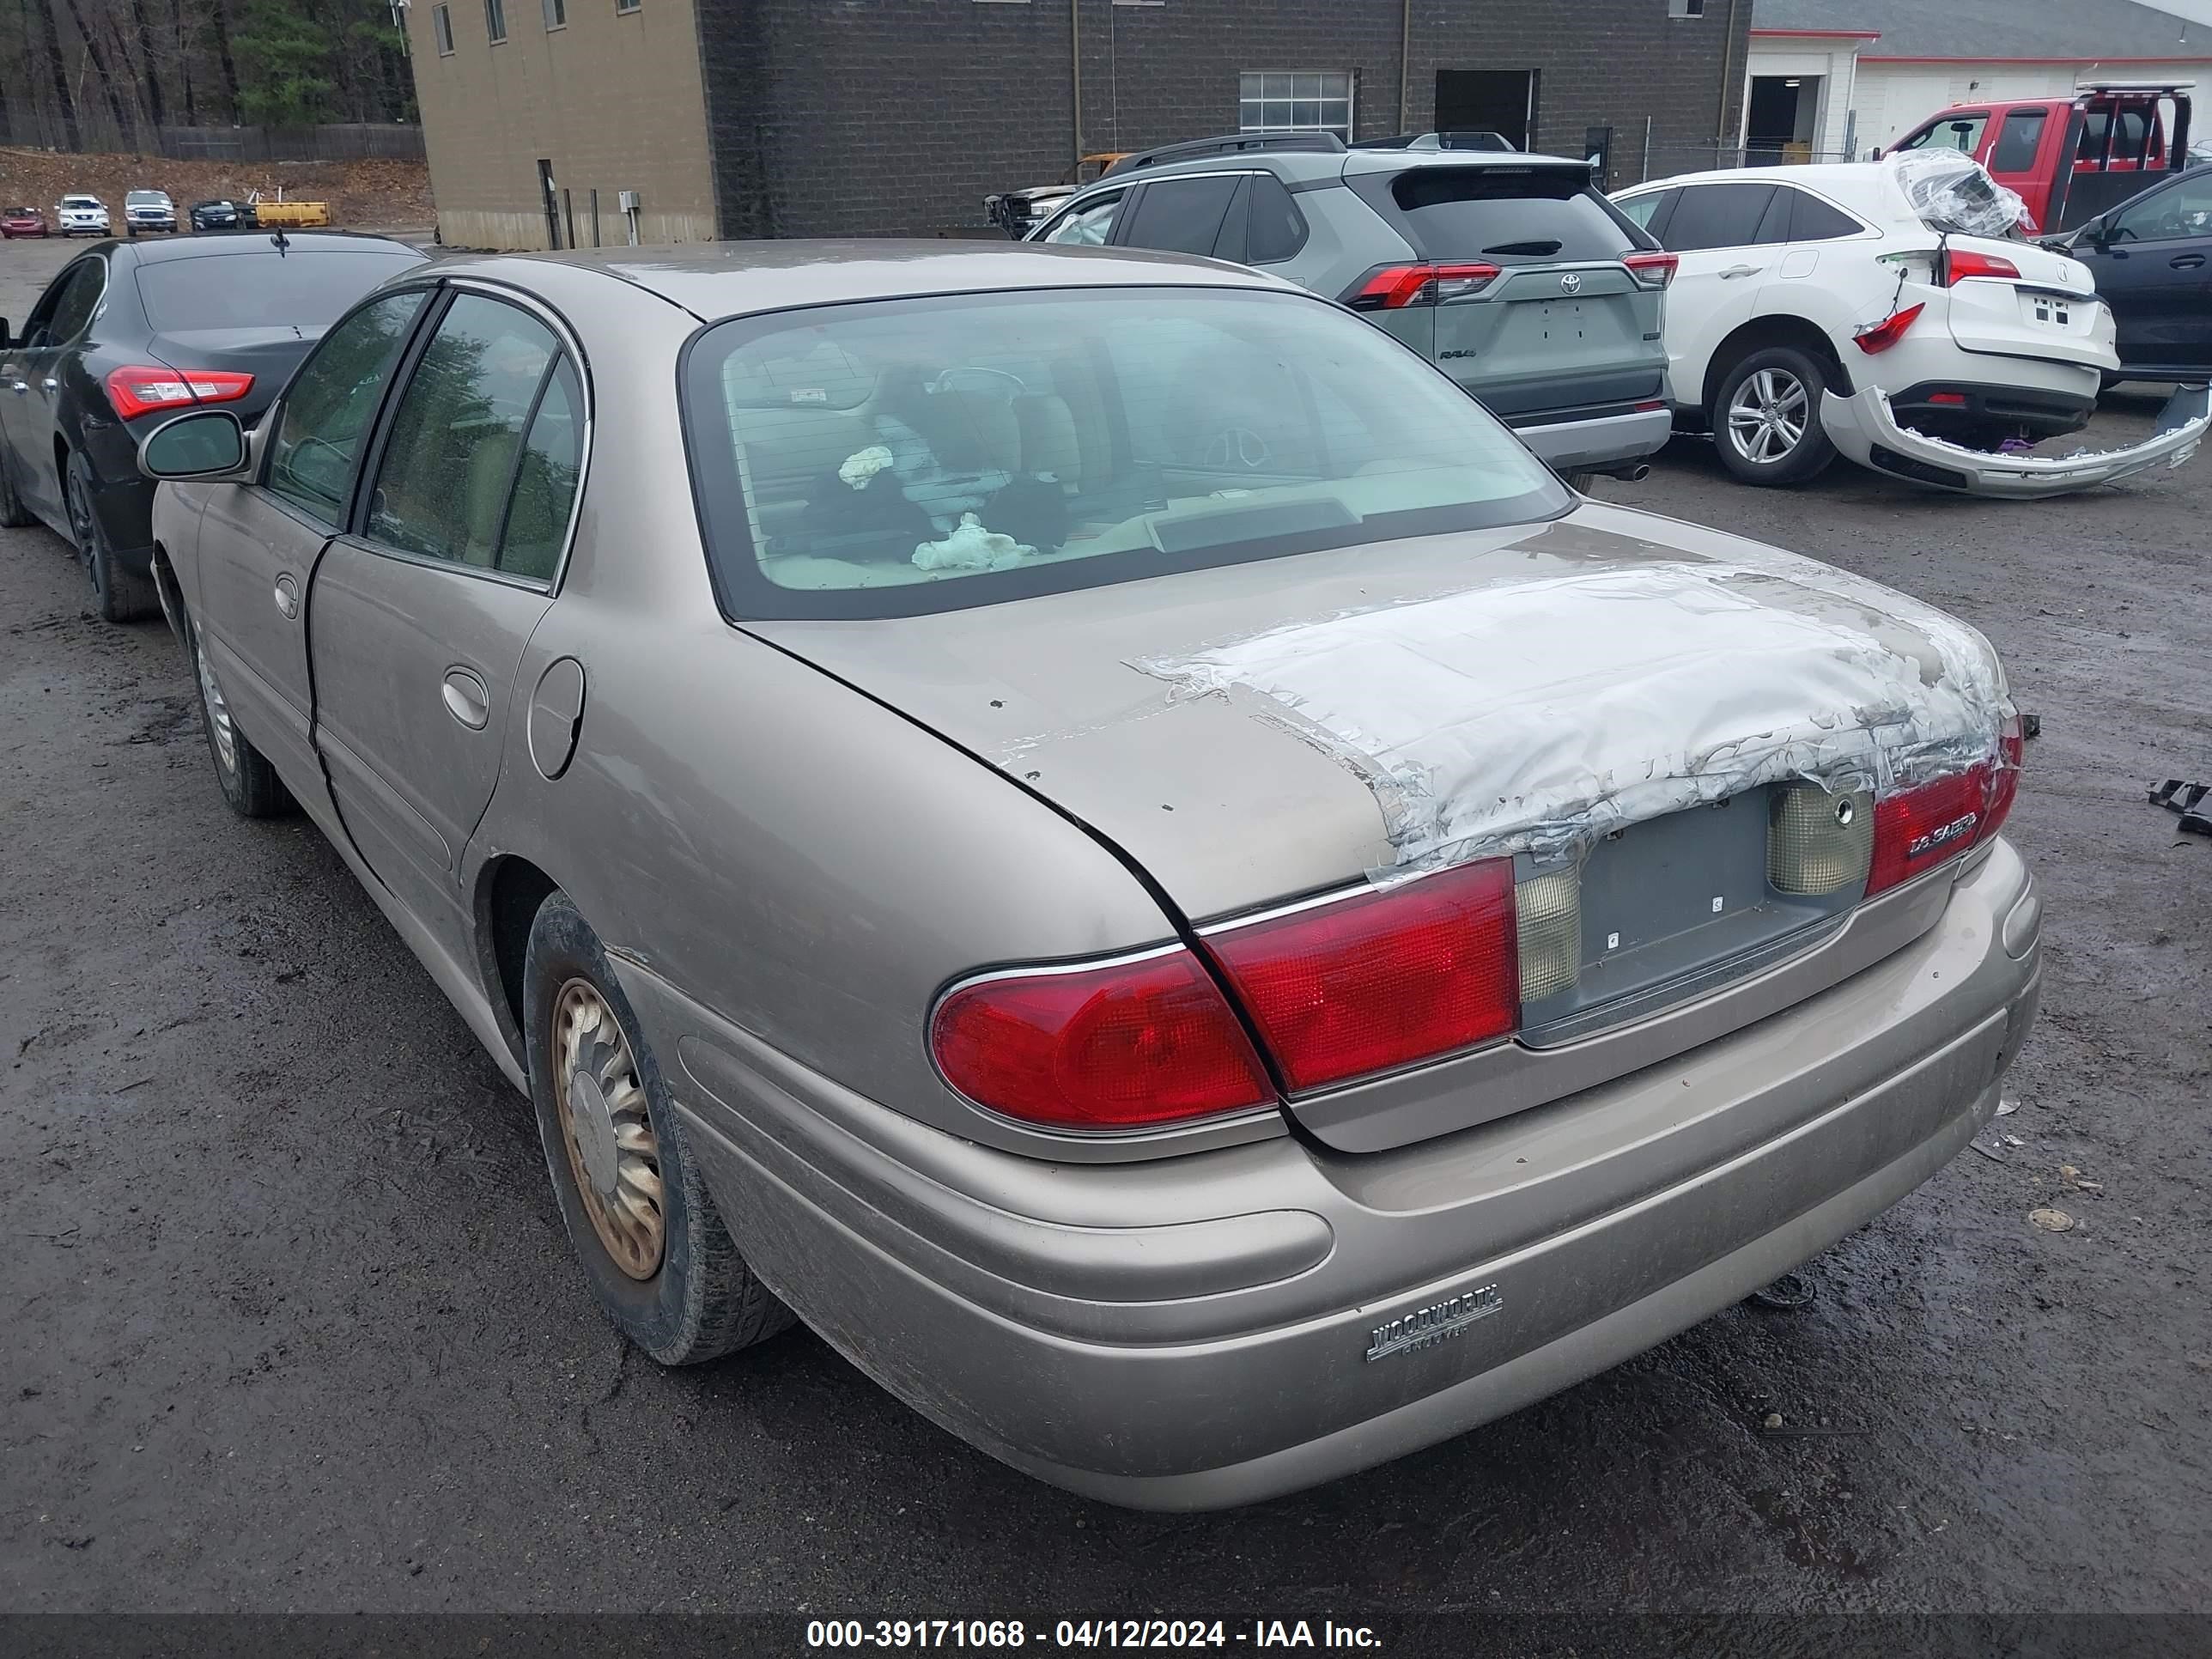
1825	309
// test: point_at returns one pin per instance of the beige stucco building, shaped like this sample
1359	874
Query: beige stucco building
599	96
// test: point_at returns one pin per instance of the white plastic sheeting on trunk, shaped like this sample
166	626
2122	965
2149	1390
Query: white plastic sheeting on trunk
1536	716
1952	192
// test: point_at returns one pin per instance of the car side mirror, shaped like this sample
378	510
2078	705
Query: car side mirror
7	335
207	444
1876	154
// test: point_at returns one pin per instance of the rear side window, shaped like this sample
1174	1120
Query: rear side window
1812	220
1717	216
2018	140
259	287
1508	215
1181	215
1276	229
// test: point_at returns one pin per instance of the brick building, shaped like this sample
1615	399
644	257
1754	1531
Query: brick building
830	118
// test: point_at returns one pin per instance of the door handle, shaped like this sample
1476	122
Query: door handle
1742	271
2186	261
468	699
287	595
19	387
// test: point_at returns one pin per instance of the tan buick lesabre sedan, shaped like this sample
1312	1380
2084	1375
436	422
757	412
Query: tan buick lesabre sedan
1091	826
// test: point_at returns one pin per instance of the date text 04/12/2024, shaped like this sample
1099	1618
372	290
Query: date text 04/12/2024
1086	1633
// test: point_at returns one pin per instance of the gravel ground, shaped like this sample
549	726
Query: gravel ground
291	1325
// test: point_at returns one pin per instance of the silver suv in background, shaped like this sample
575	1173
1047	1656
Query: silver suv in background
1509	272
79	215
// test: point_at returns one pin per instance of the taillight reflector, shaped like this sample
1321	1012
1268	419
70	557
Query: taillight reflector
141	390
1879	336
1381	979
1960	263
1124	1046
1653	270
1392	288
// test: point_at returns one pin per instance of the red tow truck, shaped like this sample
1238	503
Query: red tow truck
2069	158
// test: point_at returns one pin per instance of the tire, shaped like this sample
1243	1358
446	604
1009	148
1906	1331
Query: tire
249	783
1760	443
119	595
680	1289
14	515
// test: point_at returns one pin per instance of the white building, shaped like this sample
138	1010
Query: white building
1829	80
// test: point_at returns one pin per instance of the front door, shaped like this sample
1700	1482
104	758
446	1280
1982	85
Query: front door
1488	100
2153	263
259	542
420	620
30	383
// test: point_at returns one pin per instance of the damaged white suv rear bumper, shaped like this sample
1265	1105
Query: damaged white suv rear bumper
1863	429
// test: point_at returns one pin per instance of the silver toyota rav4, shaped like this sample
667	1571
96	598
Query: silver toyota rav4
1508	272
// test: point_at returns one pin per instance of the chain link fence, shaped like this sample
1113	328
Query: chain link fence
23	124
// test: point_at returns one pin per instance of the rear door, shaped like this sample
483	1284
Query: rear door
1729	237
420	616
1532	310
2153	261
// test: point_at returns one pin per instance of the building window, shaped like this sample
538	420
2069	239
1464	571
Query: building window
556	14
1686	7
495	19
441	29
1270	101
623	6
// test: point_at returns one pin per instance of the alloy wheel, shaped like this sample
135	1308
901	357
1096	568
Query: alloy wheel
608	1132
220	724
1766	417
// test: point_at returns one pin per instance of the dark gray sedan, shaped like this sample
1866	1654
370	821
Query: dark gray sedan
1092	826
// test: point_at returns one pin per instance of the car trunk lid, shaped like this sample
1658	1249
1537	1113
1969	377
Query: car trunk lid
1562	695
2049	311
269	352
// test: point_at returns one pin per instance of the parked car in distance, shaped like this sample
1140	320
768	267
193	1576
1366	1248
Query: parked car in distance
82	216
148	209
1017	212
1508	270
2151	260
216	216
2068	159
1813	307
21	222
1104	1049
125	336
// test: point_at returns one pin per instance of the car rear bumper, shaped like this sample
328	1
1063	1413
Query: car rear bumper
1217	1328
2045	413
1606	440
1865	427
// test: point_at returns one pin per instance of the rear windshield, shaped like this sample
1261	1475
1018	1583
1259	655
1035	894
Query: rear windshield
1508	216
920	455
311	288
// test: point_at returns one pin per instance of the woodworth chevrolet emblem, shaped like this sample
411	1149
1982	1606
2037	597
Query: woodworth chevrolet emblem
1439	1321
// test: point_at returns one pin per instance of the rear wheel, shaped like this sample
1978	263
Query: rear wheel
1766	418
120	595
645	1230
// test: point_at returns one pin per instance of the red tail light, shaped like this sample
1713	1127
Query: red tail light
1879	336
1653	270
1960	263
1381	979
1130	1045
1395	286
139	389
